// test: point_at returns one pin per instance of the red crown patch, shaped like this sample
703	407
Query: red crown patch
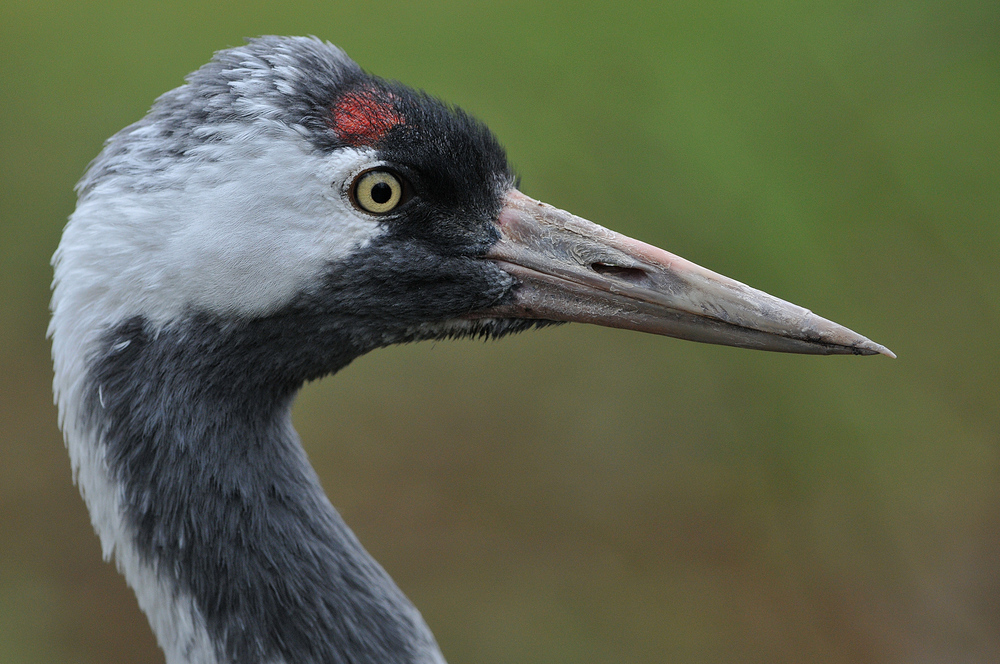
363	118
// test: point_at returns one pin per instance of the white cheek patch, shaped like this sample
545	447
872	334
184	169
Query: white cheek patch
238	227
267	233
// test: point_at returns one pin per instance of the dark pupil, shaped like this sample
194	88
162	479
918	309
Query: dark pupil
381	193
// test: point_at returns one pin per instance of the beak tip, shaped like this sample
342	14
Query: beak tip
883	350
826	331
865	346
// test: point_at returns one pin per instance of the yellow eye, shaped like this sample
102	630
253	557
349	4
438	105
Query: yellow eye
377	192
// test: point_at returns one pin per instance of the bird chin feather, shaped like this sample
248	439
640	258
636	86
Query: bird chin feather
478	328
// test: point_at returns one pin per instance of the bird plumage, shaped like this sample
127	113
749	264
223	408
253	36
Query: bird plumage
227	267
221	255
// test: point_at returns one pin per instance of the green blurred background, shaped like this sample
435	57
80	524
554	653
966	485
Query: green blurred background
581	494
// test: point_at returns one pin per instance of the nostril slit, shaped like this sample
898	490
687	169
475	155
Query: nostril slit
632	274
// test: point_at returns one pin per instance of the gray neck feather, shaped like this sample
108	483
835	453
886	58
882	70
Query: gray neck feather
220	500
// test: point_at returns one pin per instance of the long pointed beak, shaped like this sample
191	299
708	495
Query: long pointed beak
570	269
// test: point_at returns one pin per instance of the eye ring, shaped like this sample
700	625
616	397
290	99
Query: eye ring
377	191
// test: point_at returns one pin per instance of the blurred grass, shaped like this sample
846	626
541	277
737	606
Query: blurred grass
579	494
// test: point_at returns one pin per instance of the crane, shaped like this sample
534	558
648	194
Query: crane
278	215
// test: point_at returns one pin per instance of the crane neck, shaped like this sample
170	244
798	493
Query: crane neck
229	532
